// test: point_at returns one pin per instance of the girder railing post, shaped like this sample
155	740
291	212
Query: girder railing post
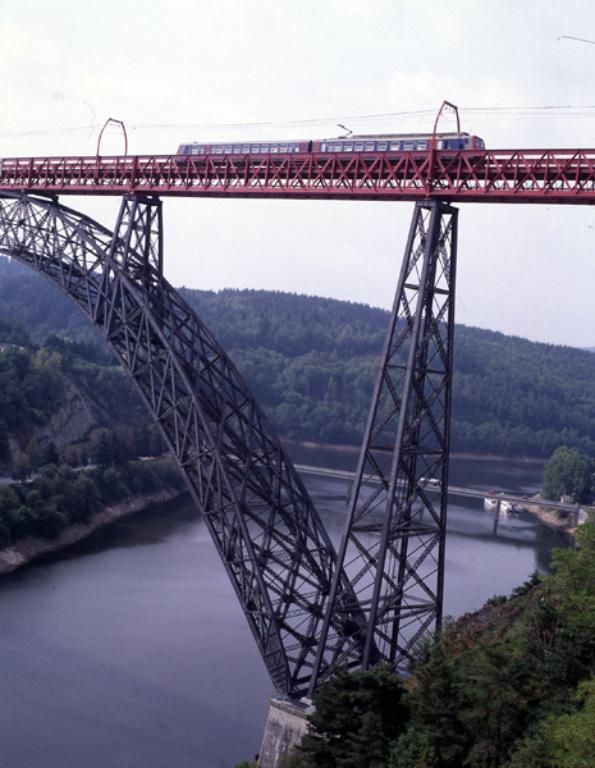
392	550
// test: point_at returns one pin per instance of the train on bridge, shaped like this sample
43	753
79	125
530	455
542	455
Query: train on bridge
397	142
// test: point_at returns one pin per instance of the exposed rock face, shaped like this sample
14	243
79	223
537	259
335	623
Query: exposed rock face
71	428
72	424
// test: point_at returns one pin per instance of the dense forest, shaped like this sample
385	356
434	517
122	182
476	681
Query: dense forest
312	363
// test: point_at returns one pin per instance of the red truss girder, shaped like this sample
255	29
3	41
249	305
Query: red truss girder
515	176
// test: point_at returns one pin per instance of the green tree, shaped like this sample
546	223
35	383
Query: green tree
358	715
21	468
569	472
49	454
102	453
5	536
435	704
493	710
573	734
413	749
563	741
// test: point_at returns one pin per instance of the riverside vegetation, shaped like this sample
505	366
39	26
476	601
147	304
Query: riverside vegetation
59	496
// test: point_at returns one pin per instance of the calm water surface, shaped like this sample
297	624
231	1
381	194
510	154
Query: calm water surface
132	650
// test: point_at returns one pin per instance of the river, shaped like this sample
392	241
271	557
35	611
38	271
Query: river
131	650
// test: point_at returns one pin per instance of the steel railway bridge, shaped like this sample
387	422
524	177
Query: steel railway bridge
309	607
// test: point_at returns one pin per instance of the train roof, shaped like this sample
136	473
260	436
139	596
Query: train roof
355	136
402	135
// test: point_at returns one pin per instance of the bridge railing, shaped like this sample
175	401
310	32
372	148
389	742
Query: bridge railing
536	175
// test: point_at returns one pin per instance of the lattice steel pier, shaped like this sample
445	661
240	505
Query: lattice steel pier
393	547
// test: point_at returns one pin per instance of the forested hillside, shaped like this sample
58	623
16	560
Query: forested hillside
312	362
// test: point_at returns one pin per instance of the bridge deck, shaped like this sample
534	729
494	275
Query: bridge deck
565	176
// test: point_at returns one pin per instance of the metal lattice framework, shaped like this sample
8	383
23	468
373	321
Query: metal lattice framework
275	549
309	609
547	176
393	547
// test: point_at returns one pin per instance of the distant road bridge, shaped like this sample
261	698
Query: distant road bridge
310	608
452	490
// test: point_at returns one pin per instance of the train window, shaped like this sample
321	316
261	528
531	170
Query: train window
395	146
382	146
348	147
218	150
337	147
255	148
408	146
358	146
282	147
369	146
237	149
295	147
228	149
264	147
274	147
245	148
422	144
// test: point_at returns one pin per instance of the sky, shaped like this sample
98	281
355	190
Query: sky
208	70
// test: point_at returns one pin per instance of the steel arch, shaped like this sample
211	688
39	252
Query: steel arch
274	547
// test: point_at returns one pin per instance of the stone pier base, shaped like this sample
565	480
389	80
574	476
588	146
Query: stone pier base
285	726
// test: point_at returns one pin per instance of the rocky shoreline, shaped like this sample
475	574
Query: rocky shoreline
30	548
551	519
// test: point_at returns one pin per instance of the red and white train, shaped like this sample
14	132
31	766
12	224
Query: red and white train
412	142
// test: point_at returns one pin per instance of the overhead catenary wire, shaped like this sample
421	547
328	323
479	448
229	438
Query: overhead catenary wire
531	112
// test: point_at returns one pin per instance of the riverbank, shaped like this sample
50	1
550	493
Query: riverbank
30	548
552	519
